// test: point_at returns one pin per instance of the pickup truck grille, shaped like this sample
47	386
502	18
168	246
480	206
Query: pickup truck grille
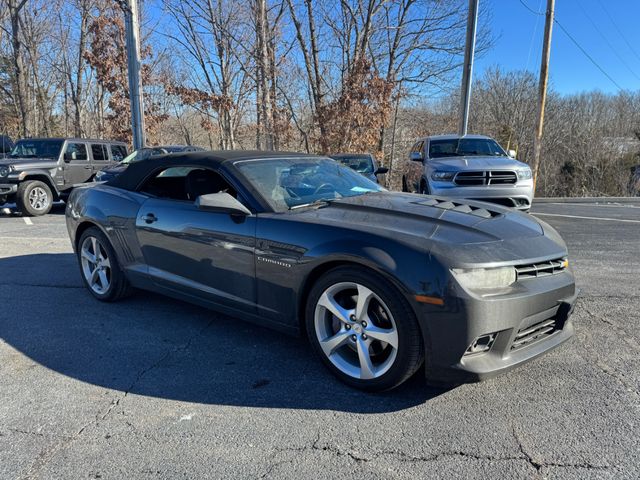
485	177
541	269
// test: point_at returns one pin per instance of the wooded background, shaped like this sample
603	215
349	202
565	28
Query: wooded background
306	75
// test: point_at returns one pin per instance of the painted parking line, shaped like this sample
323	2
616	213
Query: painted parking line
27	220
609	205
22	238
588	218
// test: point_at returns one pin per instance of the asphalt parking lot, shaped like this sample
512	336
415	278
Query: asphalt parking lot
152	387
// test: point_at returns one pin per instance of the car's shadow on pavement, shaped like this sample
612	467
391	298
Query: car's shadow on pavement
154	346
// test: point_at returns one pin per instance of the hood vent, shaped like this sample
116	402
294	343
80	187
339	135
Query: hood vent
459	207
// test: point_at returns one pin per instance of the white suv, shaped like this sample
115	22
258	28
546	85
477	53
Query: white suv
474	167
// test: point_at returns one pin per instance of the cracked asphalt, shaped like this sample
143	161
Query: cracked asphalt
152	387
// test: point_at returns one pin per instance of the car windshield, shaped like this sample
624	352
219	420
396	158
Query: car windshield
464	147
359	163
141	154
37	149
296	182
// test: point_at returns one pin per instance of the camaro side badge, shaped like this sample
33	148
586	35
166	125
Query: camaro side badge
275	262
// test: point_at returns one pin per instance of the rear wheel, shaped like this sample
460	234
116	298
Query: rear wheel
363	329
34	198
99	267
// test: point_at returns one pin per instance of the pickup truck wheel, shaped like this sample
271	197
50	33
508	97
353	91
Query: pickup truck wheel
424	188
34	198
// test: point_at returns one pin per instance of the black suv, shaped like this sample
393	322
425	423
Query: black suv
39	171
6	145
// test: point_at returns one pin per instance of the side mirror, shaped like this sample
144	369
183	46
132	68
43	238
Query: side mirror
69	156
511	153
381	171
416	157
221	202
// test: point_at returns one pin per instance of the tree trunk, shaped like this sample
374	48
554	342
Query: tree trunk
18	64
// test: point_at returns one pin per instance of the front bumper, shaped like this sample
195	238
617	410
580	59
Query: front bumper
449	334
8	188
517	196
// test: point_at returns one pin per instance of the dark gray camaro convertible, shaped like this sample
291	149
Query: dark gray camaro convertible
382	282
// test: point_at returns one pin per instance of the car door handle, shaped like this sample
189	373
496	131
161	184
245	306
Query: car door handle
88	168
150	218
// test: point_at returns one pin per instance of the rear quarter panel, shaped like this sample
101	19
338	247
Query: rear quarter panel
112	210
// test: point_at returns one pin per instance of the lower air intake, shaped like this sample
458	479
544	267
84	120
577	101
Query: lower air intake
534	333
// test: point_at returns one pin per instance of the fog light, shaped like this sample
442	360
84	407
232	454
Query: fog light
481	344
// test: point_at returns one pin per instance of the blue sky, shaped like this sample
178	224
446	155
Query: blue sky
519	35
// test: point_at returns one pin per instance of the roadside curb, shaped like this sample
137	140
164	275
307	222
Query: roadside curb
586	200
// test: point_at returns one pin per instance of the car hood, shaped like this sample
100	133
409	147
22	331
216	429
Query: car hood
474	163
467	231
25	163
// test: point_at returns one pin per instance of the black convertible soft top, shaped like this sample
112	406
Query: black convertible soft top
136	172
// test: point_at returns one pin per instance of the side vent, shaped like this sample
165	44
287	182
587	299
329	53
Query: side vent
124	248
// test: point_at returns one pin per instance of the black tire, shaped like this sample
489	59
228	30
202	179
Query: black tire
409	354
119	287
405	187
424	187
28	188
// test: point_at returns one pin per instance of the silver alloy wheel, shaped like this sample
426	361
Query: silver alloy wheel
356	330
96	266
38	198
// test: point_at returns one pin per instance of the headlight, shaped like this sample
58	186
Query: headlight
443	176
482	278
4	171
98	177
524	174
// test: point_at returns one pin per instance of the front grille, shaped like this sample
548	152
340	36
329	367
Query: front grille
485	177
535	333
541	269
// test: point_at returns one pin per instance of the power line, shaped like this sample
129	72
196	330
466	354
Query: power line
613	49
586	54
575	42
618	30
530	9
533	36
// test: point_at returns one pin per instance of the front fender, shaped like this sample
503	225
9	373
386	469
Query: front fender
413	271
39	174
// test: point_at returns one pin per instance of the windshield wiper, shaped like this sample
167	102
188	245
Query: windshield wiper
317	203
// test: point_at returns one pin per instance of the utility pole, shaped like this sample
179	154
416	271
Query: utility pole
132	26
469	51
542	89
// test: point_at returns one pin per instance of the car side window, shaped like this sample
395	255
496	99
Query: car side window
118	152
79	149
185	183
99	152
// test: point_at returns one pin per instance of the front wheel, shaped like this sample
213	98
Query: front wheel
363	329
34	198
424	187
